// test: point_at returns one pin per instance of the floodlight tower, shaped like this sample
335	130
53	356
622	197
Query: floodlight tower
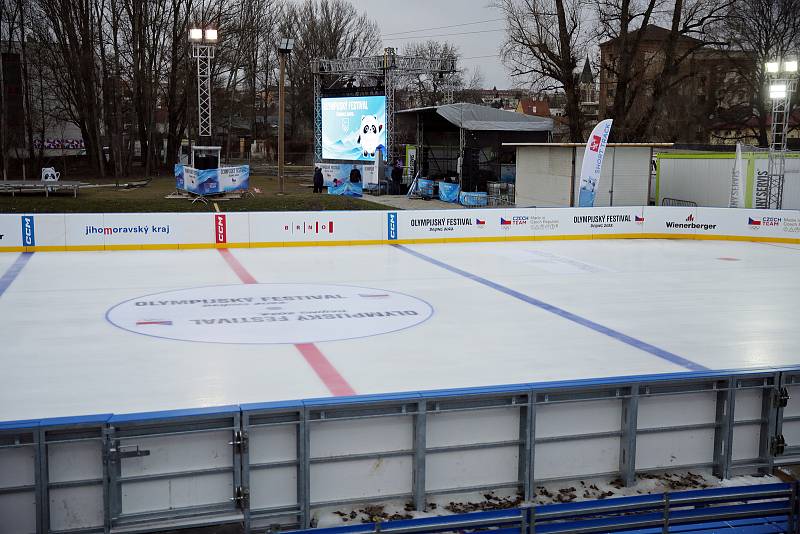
203	42
782	81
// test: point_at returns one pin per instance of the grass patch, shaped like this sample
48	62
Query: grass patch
297	197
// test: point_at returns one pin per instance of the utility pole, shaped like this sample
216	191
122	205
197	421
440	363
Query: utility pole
284	49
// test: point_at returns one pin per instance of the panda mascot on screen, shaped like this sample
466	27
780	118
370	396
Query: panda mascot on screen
369	135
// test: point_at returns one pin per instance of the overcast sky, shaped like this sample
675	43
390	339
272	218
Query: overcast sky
394	17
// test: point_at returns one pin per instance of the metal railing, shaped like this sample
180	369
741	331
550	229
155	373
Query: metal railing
767	505
676	202
286	462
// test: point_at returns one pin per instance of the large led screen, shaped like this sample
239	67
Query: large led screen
353	127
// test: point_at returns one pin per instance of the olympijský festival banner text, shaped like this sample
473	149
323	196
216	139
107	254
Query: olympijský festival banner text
122	231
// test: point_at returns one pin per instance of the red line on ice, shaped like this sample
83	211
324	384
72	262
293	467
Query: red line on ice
325	370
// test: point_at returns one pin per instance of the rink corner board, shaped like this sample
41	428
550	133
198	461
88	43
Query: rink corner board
76	232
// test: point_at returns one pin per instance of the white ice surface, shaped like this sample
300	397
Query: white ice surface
60	356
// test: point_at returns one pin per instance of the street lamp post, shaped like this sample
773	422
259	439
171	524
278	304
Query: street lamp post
284	49
782	81
203	42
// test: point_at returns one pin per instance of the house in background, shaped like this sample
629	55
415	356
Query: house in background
710	81
538	108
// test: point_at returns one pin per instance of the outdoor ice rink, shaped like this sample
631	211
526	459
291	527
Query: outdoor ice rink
134	331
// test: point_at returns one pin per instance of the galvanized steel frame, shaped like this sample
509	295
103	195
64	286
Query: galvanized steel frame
416	408
204	53
387	67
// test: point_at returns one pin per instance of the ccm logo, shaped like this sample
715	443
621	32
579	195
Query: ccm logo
220	229
392	226
28	233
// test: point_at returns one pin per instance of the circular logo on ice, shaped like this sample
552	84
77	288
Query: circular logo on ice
270	313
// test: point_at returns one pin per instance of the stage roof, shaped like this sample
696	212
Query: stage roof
484	118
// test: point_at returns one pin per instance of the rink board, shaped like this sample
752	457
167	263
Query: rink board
550	315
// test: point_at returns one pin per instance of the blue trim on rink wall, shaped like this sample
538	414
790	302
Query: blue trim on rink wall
13	271
171	414
619	336
738	509
391	397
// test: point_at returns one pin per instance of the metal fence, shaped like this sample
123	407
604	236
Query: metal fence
284	462
755	509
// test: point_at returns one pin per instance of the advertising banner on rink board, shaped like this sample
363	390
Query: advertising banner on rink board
753	223
610	221
95	231
593	163
316	227
444	224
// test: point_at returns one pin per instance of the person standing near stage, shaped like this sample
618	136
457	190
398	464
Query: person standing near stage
319	180
397	177
355	175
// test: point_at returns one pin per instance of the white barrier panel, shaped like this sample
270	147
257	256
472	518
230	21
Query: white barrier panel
17	510
556	459
50	231
336	480
258	229
10	231
277	486
747	408
459	468
236	228
207	452
74	507
316	227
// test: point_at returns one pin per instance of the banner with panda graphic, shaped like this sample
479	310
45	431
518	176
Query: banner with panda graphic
353	127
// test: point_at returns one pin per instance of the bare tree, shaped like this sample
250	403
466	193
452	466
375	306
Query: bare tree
544	41
644	71
757	31
326	29
430	90
471	87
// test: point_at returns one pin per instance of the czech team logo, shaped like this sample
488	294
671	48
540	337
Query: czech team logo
755	224
504	222
638	220
28	231
480	222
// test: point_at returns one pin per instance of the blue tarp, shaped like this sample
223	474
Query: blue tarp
473	199
425	187
449	192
